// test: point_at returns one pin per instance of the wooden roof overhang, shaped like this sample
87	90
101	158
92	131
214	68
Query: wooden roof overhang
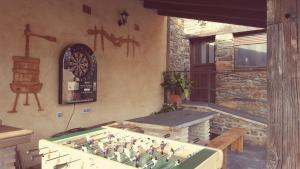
240	12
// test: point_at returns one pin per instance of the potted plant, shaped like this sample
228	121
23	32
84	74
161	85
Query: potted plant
177	86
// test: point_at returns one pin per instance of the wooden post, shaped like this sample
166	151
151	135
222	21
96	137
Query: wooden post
283	84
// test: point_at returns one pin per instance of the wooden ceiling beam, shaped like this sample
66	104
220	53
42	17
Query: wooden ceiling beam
215	11
251	5
222	19
212	14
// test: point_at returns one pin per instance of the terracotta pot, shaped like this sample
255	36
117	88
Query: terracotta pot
175	99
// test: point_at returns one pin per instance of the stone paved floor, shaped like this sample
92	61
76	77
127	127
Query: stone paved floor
251	158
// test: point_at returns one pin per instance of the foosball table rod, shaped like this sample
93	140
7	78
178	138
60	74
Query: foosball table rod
41	155
57	157
63	165
34	150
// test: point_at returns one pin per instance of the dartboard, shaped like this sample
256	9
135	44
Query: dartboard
79	64
77	75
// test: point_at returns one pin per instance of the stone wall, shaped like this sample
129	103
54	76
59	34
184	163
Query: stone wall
238	89
178	45
255	133
245	91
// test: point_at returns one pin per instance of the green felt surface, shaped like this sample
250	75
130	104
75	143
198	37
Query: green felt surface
73	134
196	159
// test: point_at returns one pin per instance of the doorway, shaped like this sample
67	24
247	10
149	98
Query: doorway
202	71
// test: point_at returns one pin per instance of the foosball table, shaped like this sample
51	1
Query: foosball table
111	148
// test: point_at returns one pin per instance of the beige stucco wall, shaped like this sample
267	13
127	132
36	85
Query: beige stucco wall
128	87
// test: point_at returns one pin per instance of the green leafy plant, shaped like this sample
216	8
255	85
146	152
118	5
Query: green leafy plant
176	83
167	108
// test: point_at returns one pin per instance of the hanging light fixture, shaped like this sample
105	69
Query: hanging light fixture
123	18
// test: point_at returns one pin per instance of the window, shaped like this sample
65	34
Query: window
203	53
253	55
250	51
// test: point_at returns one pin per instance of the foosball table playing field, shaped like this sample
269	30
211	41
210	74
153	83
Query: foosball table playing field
111	148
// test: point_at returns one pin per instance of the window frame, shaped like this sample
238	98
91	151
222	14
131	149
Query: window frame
248	34
197	41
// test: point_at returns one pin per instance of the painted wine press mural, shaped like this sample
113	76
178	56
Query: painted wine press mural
26	72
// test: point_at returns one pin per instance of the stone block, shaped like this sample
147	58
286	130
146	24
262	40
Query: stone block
223	65
225	58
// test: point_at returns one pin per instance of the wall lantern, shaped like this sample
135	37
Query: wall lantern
123	18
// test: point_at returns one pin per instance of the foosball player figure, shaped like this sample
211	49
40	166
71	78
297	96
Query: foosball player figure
141	143
127	152
109	137
147	144
153	142
153	162
170	154
97	151
106	151
101	147
76	146
84	149
147	141
89	140
145	166
136	147
137	158
117	156
162	147
125	143
177	162
124	146
133	140
151	151
116	147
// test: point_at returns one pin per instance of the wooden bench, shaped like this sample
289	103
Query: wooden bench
233	138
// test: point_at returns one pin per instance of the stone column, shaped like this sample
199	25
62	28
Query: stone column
178	46
224	52
200	131
224	58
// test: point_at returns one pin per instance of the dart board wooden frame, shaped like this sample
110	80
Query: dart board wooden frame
77	75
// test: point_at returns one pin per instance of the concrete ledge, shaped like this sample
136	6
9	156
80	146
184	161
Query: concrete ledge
229	112
173	120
